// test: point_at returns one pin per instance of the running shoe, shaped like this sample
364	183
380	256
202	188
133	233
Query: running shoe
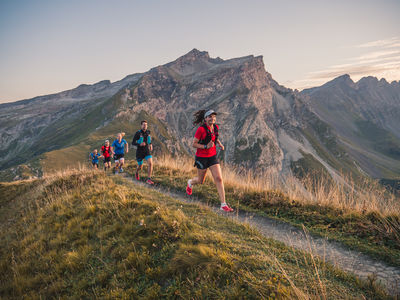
148	181
137	176
226	208
121	170
188	189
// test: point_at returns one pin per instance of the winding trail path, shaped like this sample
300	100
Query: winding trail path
348	260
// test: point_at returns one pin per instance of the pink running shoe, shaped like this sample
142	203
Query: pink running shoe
137	176
148	181
226	208
188	189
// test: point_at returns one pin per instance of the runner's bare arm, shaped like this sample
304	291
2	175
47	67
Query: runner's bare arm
220	144
201	146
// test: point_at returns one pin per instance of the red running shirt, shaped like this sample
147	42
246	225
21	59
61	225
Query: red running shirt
200	135
106	151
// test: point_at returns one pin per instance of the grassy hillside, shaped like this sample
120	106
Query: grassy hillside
81	234
324	141
73	156
380	139
24	171
367	220
69	126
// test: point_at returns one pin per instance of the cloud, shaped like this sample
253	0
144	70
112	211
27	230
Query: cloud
387	43
377	54
354	71
379	58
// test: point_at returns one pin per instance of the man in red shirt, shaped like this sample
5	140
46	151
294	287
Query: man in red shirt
107	153
205	140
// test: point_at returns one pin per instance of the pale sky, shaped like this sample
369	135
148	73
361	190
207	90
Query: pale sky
55	45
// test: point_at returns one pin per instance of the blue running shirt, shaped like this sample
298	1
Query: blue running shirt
95	158
119	147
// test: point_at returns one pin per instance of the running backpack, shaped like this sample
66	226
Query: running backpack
103	149
143	137
208	137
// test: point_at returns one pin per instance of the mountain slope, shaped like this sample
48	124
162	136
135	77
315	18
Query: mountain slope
264	126
365	118
42	124
263	123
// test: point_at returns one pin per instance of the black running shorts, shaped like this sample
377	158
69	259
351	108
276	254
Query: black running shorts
107	159
142	154
205	162
118	156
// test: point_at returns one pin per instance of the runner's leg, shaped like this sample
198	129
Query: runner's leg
201	175
149	167
139	166
217	175
116	165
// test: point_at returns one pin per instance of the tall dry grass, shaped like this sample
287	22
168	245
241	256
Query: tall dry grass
105	199
365	197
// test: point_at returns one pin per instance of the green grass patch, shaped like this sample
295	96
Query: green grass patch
308	166
382	140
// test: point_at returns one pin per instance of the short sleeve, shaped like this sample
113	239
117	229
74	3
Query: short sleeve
200	133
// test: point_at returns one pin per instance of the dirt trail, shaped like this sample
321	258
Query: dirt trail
332	252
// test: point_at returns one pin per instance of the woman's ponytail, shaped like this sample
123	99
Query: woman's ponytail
199	117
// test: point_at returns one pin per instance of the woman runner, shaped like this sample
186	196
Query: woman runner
205	140
118	147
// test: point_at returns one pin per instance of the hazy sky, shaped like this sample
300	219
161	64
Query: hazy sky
51	46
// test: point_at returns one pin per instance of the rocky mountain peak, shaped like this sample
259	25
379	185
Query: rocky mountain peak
343	80
395	83
195	54
191	62
373	82
367	81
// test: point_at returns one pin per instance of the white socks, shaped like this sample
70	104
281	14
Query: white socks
190	183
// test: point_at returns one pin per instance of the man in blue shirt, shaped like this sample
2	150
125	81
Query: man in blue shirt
118	147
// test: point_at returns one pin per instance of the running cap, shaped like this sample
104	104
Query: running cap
107	141
209	113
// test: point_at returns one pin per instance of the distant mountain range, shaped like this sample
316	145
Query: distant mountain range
340	127
365	116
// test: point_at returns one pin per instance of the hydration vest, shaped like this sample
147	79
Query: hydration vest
143	137
208	137
104	150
